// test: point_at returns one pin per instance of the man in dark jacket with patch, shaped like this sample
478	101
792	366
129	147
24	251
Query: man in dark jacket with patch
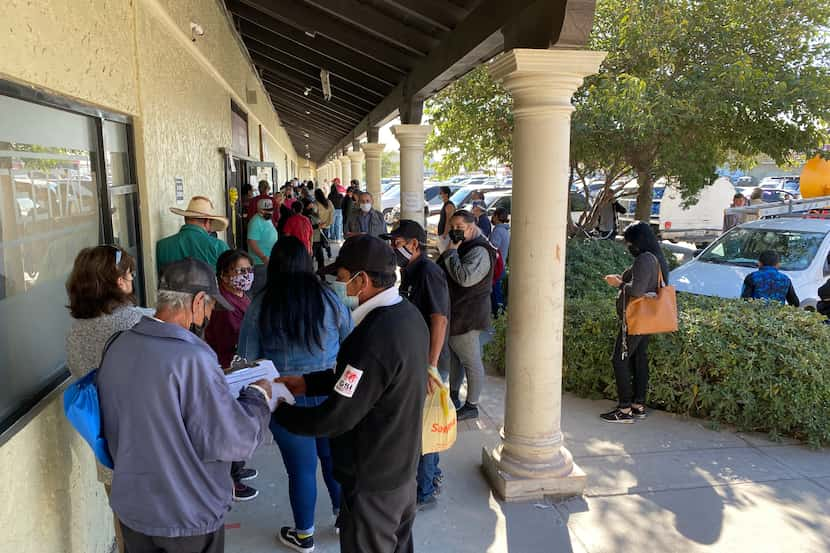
375	403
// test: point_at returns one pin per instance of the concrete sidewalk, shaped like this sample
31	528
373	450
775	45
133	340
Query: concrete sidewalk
667	484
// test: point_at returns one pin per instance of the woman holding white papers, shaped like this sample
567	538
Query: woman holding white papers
298	324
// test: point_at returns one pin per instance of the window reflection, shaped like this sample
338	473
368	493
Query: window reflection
49	210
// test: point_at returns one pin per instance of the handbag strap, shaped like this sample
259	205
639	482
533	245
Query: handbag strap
660	280
110	341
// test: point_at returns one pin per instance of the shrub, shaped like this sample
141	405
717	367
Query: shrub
756	365
759	366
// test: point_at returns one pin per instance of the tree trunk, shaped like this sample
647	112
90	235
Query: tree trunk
645	195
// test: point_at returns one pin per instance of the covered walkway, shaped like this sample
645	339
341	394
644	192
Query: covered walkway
336	71
668	484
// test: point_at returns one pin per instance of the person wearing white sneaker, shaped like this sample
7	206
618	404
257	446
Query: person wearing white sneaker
375	403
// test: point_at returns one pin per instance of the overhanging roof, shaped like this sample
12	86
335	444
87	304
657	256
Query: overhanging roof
384	56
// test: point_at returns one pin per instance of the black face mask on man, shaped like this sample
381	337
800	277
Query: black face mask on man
634	250
402	256
456	236
199	330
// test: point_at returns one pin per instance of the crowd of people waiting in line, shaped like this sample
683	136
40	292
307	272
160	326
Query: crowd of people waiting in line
356	351
359	353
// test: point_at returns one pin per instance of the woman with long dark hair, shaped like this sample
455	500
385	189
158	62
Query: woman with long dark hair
298	323
630	359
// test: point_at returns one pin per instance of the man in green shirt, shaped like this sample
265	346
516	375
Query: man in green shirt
193	239
261	239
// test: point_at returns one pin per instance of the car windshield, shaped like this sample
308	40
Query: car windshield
393	191
743	246
431	192
460	195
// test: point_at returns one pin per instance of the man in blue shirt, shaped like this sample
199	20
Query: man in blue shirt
768	283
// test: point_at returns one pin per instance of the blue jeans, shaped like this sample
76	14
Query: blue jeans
497	296
336	228
427	472
300	454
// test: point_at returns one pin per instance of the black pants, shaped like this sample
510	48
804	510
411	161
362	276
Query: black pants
377	522
136	542
236	468
631	370
317	251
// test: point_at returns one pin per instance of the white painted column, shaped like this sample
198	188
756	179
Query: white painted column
356	159
373	152
532	461
338	170
412	139
345	170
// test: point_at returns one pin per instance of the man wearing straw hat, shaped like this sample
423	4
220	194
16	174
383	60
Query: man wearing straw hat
193	239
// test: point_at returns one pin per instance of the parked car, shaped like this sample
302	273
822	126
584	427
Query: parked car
720	269
671	220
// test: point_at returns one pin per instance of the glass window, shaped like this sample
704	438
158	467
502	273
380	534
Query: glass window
118	154
49	210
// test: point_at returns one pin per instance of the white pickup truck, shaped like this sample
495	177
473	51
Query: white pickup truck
699	223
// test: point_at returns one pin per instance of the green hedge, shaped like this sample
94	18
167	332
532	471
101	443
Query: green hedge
755	365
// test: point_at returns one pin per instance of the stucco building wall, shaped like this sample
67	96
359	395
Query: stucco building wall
135	57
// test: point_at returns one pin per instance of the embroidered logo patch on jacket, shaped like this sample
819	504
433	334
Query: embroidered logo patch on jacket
348	382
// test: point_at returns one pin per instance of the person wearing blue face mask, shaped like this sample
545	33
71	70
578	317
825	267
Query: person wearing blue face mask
298	323
375	403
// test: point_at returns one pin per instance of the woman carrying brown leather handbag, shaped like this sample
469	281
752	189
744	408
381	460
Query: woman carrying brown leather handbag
630	359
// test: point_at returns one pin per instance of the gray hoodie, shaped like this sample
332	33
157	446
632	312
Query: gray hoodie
173	428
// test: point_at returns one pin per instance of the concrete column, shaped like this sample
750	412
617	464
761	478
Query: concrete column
356	159
338	170
412	139
373	152
532	461
345	170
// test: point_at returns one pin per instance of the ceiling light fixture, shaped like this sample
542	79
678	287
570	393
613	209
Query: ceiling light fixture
311	34
325	81
307	90
307	112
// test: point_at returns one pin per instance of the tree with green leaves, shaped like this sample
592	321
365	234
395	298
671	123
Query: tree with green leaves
390	164
686	86
472	123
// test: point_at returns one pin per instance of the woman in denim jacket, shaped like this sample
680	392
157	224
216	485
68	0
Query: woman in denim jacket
297	323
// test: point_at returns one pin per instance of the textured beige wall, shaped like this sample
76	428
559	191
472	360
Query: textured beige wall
80	49
52	501
136	57
185	119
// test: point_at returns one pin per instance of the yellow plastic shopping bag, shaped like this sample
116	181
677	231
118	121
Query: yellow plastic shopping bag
439	431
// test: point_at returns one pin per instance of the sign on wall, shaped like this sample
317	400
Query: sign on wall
179	181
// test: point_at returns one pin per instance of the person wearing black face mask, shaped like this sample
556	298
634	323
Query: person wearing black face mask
424	284
171	423
469	263
630	359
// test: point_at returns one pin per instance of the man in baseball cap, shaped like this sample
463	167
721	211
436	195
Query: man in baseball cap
172	425
380	370
424	284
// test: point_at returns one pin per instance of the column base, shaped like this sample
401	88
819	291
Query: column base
518	488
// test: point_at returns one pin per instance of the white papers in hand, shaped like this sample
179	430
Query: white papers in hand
264	370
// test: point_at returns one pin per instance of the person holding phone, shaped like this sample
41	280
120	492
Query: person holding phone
469	263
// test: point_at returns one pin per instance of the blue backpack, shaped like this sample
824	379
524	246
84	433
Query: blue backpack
83	410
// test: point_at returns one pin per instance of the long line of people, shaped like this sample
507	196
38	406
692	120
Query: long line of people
178	438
